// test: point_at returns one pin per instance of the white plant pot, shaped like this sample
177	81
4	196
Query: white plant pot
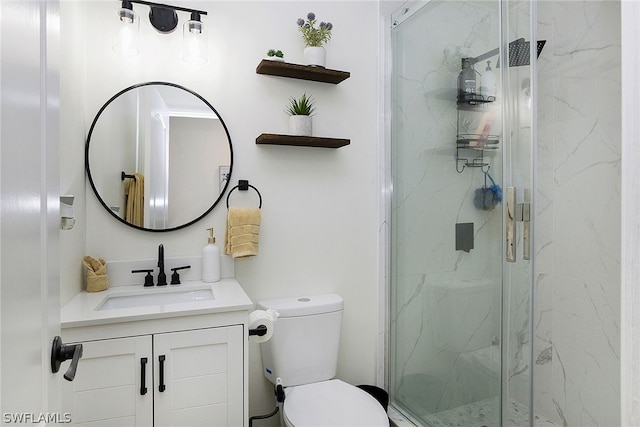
300	125
275	58
315	55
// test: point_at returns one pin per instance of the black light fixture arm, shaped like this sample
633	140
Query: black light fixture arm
165	6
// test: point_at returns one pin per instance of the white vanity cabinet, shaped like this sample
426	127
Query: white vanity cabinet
165	365
187	378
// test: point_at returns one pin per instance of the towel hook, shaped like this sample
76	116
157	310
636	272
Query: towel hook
124	175
243	185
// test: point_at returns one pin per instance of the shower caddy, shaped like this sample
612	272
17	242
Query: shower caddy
470	147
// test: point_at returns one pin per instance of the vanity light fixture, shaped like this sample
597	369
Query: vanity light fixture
164	19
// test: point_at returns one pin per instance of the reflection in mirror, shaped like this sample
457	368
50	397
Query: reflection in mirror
158	156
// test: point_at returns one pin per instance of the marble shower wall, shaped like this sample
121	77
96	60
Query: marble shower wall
577	230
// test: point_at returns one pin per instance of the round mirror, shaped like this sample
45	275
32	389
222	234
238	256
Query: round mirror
158	156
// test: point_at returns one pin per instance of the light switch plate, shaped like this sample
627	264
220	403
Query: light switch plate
224	176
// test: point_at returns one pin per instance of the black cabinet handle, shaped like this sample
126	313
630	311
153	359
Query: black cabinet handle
161	387
143	371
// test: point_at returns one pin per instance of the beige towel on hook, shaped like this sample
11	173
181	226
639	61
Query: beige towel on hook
134	209
243	232
96	269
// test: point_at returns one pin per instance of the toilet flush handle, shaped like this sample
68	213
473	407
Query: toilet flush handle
279	391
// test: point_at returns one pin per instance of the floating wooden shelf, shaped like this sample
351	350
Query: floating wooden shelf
301	141
303	72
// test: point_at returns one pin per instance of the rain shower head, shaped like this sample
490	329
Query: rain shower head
519	53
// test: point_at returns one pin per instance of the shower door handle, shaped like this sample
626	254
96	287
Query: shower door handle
526	225
517	212
510	224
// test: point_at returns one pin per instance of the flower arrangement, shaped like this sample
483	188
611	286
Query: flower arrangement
314	36
301	107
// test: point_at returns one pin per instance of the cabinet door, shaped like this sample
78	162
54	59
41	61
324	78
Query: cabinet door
202	375
107	389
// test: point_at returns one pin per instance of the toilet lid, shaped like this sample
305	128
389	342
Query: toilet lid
332	403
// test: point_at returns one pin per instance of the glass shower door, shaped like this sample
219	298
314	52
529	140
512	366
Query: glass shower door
518	81
460	314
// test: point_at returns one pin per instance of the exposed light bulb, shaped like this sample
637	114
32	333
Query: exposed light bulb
126	33
195	27
127	15
195	42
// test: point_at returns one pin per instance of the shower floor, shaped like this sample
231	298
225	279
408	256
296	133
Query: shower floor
483	414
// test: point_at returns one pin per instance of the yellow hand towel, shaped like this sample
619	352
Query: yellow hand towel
243	230
134	209
96	269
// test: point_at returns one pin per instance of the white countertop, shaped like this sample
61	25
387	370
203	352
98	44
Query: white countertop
83	309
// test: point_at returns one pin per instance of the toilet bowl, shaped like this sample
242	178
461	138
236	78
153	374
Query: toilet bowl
302	354
331	403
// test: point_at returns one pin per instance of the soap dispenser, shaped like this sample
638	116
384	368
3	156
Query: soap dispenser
211	260
466	82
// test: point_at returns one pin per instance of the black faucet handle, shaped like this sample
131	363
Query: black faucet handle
175	277
148	279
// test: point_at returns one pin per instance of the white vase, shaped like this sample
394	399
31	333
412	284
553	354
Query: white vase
300	125
315	56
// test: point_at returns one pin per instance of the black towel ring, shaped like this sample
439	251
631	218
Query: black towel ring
243	185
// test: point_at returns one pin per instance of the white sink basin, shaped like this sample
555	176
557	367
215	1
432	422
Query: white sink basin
155	297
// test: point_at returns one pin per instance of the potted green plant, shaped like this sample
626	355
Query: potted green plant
314	38
300	111
275	55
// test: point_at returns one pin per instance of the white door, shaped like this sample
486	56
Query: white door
198	377
29	211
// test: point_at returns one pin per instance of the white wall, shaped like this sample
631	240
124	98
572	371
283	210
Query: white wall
74	127
319	214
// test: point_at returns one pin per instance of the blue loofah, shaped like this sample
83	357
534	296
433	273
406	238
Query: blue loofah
487	198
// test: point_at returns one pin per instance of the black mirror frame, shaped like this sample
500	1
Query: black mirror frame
88	170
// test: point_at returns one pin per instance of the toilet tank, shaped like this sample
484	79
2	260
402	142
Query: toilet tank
305	342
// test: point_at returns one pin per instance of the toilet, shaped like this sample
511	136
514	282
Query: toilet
303	355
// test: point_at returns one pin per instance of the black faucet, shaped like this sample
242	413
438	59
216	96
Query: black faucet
162	278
